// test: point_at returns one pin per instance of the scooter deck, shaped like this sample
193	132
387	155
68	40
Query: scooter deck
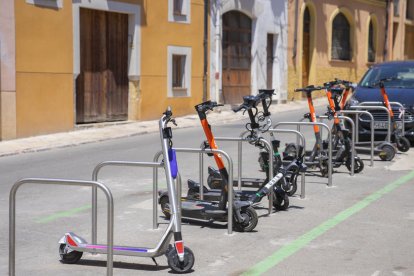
202	210
78	244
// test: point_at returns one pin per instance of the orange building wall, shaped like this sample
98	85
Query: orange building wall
323	68
157	34
44	81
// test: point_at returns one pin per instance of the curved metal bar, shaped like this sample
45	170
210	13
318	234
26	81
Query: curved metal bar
303	143
357	112
391	103
240	140
230	171
95	173
66	182
377	108
329	139
352	140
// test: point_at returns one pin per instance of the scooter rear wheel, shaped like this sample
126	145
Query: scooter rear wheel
403	144
175	264
387	153
251	220
69	258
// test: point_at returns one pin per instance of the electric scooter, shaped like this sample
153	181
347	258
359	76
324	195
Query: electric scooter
281	200
384	149
402	143
260	123
180	258
245	217
341	142
318	157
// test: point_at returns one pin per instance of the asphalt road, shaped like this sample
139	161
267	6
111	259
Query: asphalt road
360	226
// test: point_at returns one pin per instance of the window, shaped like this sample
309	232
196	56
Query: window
56	4
341	38
178	7
179	11
396	8
179	71
409	14
371	43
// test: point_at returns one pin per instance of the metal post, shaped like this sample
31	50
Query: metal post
303	144
201	172
66	182
352	140
155	192
239	168
329	139
357	113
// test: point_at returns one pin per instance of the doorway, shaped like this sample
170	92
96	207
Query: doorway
102	85
237	43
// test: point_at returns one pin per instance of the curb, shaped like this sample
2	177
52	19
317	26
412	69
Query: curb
100	133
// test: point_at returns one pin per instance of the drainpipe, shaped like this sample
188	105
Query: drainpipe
205	50
218	40
387	26
295	35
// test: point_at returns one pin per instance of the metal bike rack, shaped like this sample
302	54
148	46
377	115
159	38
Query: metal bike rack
303	143
371	107
200	151
357	113
66	182
240	141
391	103
353	138
299	124
95	173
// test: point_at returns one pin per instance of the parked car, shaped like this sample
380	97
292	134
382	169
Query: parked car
399	89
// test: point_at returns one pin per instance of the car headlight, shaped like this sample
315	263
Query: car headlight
352	101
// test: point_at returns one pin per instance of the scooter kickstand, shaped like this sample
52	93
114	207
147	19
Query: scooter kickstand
156	264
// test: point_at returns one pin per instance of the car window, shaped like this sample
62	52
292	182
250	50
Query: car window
402	76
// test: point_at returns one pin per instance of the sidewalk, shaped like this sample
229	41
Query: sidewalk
107	132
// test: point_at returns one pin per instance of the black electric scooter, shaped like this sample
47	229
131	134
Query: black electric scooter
280	200
245	217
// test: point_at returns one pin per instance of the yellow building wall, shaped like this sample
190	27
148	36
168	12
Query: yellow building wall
157	34
322	67
44	65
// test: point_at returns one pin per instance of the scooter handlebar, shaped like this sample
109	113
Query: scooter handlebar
309	88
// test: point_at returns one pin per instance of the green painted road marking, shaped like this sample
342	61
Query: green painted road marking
305	239
63	214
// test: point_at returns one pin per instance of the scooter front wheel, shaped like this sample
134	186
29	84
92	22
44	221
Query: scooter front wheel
293	184
358	165
403	144
165	206
250	220
175	264
69	257
280	201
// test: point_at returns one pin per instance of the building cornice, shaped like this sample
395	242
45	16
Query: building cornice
378	3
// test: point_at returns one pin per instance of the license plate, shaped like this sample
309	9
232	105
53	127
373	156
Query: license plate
384	125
